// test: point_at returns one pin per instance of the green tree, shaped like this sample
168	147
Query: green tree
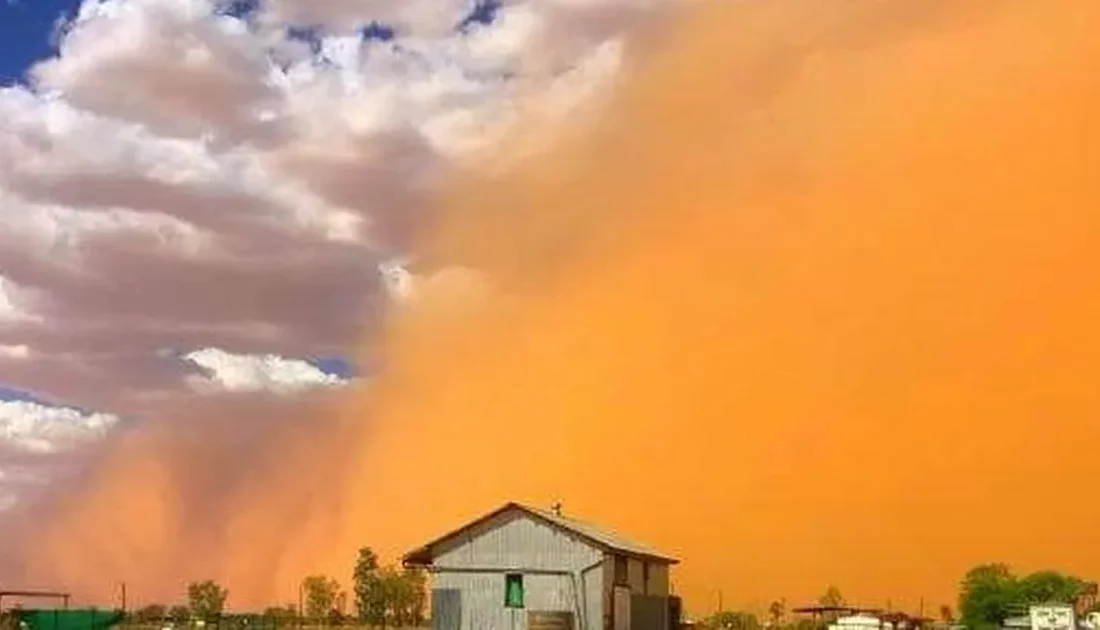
414	595
370	593
404	594
320	596
988	595
206	599
1044	587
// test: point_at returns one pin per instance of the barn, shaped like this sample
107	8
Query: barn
525	568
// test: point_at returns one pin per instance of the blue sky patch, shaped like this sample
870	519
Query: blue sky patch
26	27
18	395
9	394
484	12
335	366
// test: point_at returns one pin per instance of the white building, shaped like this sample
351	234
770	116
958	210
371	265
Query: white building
860	622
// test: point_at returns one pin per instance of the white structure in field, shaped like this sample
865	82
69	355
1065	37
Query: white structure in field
860	622
1052	617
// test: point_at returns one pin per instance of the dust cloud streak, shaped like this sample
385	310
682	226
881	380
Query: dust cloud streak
809	304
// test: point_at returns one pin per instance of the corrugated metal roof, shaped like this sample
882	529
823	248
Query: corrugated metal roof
608	539
597	536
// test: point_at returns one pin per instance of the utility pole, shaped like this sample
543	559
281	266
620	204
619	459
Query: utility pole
301	610
123	596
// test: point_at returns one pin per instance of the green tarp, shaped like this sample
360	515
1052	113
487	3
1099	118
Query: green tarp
69	619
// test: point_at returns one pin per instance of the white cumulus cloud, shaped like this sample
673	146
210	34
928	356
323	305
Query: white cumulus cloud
255	373
40	428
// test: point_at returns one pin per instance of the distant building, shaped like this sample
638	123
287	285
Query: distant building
1044	617
861	622
1053	617
524	568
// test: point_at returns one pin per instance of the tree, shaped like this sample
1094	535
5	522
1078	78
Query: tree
405	595
150	614
1051	587
412	596
1087	601
287	612
337	616
388	596
733	620
988	595
320	596
776	610
370	595
831	598
179	614
946	614
206	599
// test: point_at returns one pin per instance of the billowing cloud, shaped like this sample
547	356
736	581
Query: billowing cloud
174	66
225	178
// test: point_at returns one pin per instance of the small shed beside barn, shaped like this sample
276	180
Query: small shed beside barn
525	568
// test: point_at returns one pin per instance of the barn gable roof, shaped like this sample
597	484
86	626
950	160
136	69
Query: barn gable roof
602	539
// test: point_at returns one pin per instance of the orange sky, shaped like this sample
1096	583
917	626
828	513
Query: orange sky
811	304
814	306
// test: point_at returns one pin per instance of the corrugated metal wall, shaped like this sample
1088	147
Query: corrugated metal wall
446	609
635	576
514	542
648	612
